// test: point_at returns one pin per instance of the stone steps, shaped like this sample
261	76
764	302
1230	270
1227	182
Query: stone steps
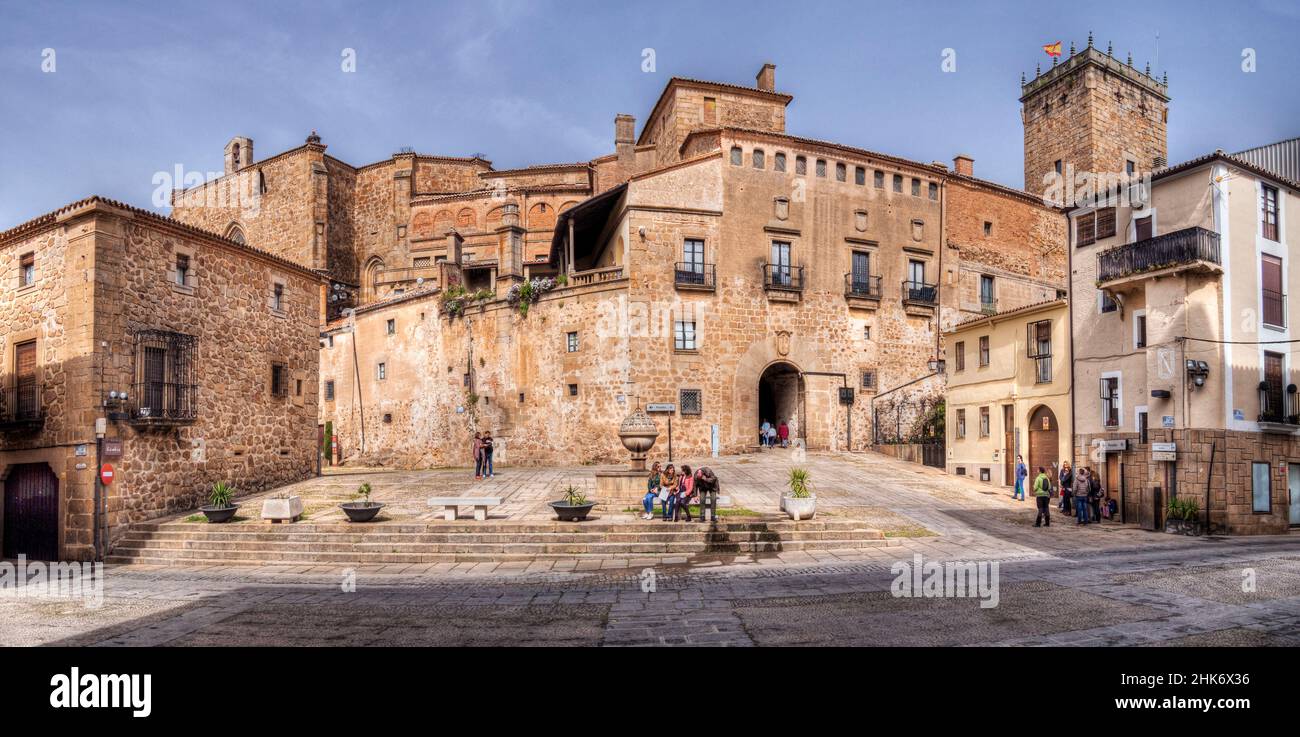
174	543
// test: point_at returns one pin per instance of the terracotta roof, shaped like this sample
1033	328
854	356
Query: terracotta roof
1220	155
1005	313
51	219
535	168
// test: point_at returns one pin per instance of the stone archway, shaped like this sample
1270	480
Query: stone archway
781	398
1044	437
370	278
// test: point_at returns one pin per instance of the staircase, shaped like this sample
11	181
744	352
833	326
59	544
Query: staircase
305	543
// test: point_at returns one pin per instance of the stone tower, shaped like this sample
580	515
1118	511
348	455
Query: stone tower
239	154
1093	113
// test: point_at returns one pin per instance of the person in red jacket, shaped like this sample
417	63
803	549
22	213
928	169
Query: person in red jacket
783	434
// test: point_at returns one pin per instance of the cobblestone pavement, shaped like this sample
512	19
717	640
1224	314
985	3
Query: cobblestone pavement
1062	585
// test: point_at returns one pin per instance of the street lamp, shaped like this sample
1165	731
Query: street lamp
936	365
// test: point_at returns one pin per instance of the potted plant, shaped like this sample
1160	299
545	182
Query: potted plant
219	508
1183	517
801	502
364	510
573	506
282	508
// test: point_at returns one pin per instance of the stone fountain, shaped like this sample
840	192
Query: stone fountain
627	486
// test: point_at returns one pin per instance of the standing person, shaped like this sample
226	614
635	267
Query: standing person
478	456
1081	496
771	436
783	432
685	490
1094	495
1043	497
1021	473
762	432
706	488
651	492
668	491
1067	487
487	456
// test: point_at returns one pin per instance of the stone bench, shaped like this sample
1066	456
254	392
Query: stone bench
479	503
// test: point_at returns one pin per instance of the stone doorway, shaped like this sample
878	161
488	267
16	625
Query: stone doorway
781	397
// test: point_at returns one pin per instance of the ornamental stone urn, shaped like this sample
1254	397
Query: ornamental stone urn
638	433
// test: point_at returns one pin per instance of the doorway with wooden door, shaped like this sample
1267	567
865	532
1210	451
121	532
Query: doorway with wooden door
1044	438
1009	444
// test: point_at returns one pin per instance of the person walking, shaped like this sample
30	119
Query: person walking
651	492
487	456
685	490
1021	473
668	491
771	436
1094	496
762	433
478	456
1081	496
1066	479
1043	497
783	434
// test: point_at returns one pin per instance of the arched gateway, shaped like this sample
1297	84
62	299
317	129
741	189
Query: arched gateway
1043	441
781	397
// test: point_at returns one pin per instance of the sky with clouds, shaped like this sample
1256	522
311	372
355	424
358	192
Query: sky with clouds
139	88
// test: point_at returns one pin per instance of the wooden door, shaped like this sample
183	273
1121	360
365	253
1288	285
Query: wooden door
31	499
1043	443
1009	442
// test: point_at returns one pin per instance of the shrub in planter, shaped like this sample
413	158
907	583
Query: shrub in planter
219	507
364	510
1183	517
801	502
573	506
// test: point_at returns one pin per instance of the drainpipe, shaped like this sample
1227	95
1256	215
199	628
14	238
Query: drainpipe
1069	305
938	309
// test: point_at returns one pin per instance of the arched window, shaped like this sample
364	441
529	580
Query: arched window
235	233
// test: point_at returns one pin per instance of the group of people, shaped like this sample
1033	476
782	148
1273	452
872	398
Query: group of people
483	456
1081	493
677	490
771	436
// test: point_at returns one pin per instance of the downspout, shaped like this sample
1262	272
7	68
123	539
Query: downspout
943	242
1069	303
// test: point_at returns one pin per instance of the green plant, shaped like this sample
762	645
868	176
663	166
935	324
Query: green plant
221	495
1184	509
574	497
363	491
800	484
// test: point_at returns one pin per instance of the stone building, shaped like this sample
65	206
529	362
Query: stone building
176	356
1182	327
714	263
1009	393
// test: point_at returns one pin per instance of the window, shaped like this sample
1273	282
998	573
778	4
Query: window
821	167
1057	166
781	271
684	335
1274	301
277	297
1268	211
1272	388
1139	329
710	110
878	179
1260	488
1094	226
840	172
898	182
916	187
1142	229
1106	303
1142	426
297	387
1106	223
27	393
182	270
987	301
984	350
988	228
778	163
166	380
859	176
758	158
934	191
1110	401
737	156
420	262
800	165
571	341
573	390
916	272
689	401
984	422
692	260
381	371
861	273
329	390
959	352
961	423
1038	338
866	332
869	379
27	270
391	326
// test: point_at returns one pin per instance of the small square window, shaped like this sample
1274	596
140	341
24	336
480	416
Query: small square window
934	191
571	341
182	270
381	371
869	379
279	384
329	390
778	162
391	326
878	178
298	387
800	165
388	418
521	397
898	182
866	332
573	390
988	228
277	297
691	401
27	270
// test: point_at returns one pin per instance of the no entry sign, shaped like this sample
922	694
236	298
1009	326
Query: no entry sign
106	474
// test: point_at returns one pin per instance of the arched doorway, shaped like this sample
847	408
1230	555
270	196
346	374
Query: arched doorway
1044	441
781	397
31	512
370	278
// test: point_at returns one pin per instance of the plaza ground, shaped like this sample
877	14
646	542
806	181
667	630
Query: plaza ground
1061	585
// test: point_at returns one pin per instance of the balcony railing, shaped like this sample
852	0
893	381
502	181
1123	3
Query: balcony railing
690	275
1274	308
410	274
595	276
783	277
164	402
988	305
921	293
862	286
1187	246
21	407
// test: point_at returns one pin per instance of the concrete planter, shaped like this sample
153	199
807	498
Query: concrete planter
1189	527
360	511
283	509
217	515
798	508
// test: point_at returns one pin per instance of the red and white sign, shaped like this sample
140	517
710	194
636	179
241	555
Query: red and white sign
106	474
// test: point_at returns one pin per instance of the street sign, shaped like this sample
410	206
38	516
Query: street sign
1163	455
112	448
1113	445
1167	421
661	407
106	474
1164	447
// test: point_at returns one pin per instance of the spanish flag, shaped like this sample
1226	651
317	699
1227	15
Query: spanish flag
1053	49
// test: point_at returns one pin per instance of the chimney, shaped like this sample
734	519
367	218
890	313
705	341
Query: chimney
239	154
767	77
625	143
963	165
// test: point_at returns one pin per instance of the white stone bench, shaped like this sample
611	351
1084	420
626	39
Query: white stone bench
479	503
